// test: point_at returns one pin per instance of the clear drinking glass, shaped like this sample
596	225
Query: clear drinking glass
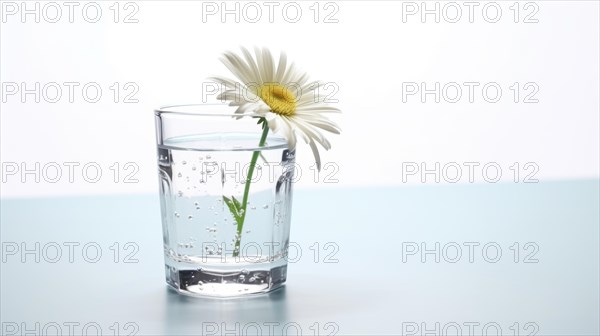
204	156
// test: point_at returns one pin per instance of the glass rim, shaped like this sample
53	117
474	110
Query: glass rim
179	110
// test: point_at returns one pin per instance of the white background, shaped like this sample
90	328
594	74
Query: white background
368	54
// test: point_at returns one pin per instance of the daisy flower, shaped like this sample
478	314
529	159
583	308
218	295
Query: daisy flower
281	95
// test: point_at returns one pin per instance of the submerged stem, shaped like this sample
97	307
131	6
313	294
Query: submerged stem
255	155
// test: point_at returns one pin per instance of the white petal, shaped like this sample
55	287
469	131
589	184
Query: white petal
313	133
272	121
281	68
308	98
317	108
315	93
308	138
300	79
260	65
298	130
262	107
248	95
312	115
325	125
238	95
252	65
246	107
291	139
312	98
282	126
312	85
268	65
228	83
227	95
315	151
318	120
289	74
237	66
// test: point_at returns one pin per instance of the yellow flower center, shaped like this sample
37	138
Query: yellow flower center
281	100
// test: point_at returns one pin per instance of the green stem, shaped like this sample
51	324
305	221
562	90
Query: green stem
240	224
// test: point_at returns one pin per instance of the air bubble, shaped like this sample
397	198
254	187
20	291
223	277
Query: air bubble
266	206
179	175
183	162
190	217
177	215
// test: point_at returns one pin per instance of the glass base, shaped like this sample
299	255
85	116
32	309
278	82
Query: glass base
211	282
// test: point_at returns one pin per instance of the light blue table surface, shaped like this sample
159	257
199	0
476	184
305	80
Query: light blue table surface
357	284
